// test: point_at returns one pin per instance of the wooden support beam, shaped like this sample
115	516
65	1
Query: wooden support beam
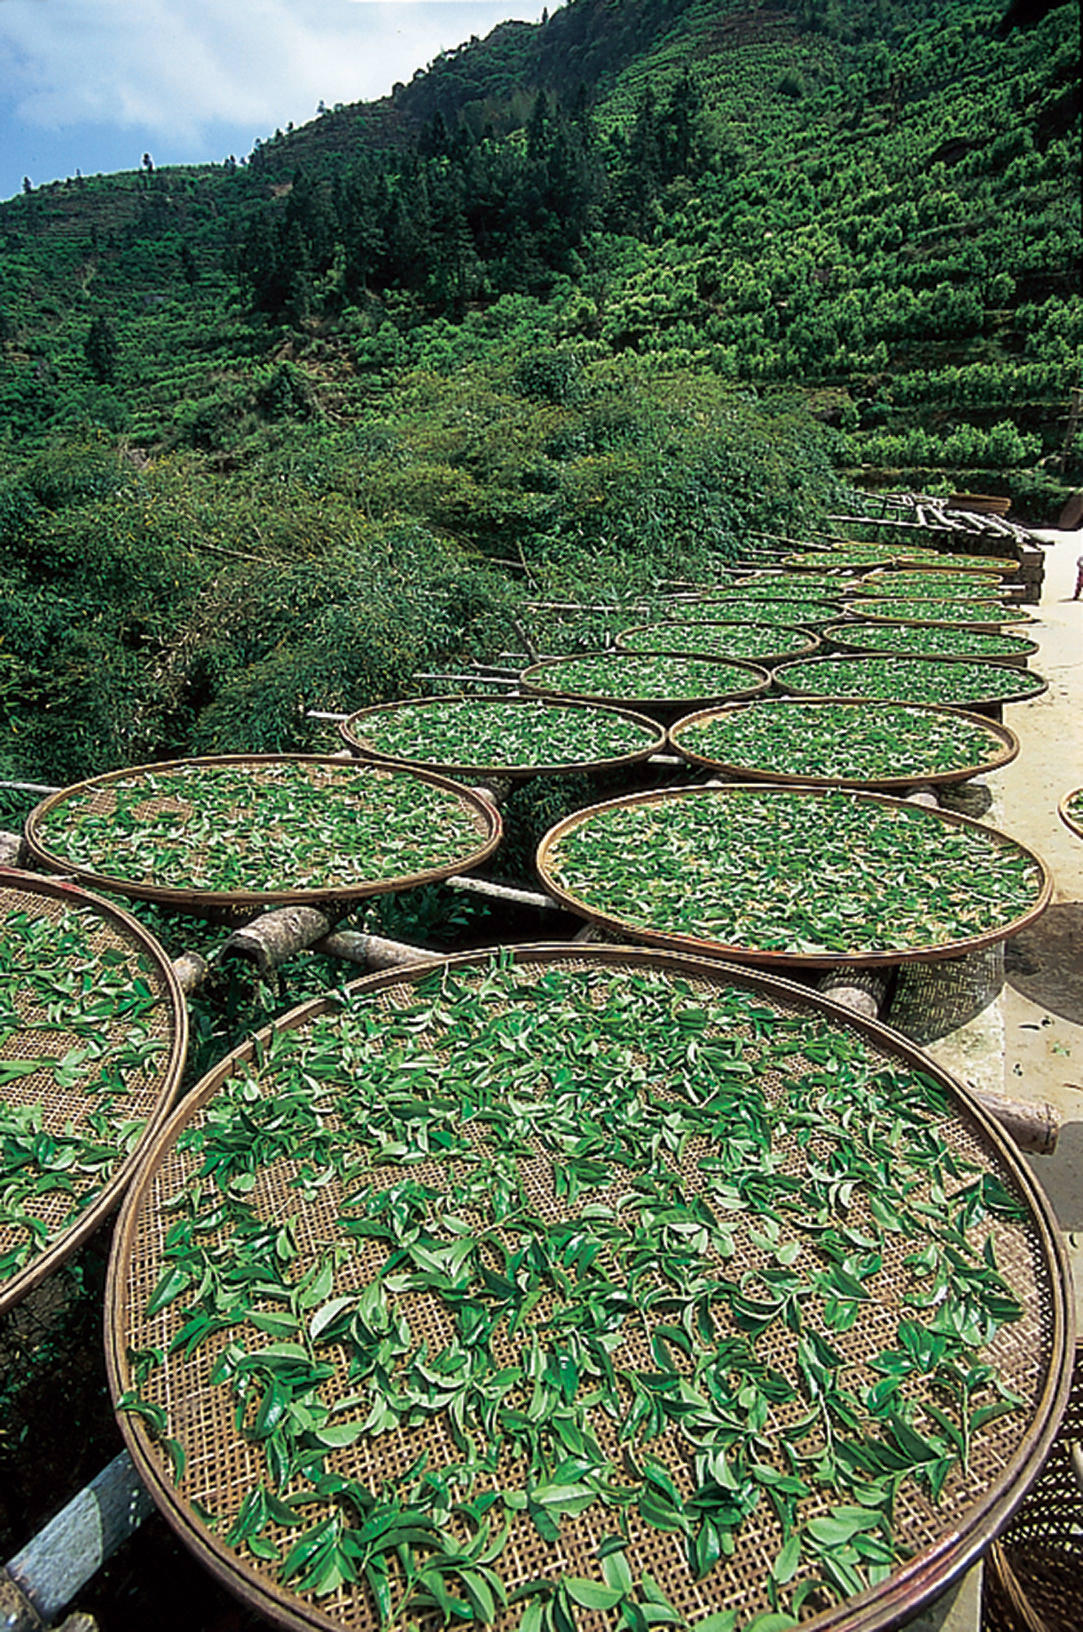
191	971
865	991
374	951
275	936
504	892
62	1557
11	849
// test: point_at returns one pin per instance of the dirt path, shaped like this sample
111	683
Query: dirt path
1043	997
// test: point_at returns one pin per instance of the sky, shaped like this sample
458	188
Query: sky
92	85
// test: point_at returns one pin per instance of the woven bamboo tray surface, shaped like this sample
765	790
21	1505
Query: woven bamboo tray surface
867	724
492	1036
956	614
825	677
104	1078
1070	811
693	901
905	640
758	642
489	721
701	680
1032	1581
165	834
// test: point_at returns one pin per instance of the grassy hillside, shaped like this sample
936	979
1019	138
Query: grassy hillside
297	413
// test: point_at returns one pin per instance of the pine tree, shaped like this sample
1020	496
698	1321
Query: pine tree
101	350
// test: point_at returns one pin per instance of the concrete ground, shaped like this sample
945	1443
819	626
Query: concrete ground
1042	1002
1027	1041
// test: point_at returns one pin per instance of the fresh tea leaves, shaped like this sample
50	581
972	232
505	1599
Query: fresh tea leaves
515	1271
260	827
481	733
792	872
840	742
952	683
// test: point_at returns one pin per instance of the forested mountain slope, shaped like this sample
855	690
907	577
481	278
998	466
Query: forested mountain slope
599	294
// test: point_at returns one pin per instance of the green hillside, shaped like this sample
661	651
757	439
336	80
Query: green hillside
595	297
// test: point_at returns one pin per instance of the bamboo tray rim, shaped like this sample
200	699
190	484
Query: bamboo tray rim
484	813
1003	734
1065	815
702	946
532	681
911	1585
73	1235
810	644
455	769
1023	695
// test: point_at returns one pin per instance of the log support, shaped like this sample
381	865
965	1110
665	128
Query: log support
40	1581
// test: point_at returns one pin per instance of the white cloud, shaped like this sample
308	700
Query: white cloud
180	66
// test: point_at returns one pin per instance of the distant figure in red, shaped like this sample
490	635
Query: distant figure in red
1078	578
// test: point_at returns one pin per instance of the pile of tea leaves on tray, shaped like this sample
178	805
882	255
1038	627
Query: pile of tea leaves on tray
953	610
917	640
756	641
75	1031
852	560
473	731
1002	566
954	683
788	610
628	676
792	871
597	1240
279	826
828	586
931	585
825	740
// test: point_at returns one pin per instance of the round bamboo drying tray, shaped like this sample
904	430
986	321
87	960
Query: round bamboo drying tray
262	774
145	1047
652	734
1025	684
944	560
858	561
696	887
789	613
892	1091
1032	1580
723	681
925	584
660	639
1072	819
978	621
864	639
1003	745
